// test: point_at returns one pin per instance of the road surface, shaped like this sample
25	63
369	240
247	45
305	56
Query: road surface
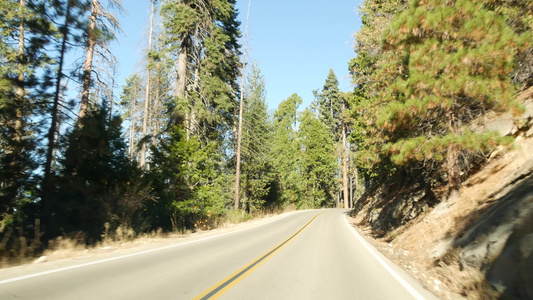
303	255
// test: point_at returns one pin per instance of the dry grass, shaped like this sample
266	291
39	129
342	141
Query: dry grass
124	237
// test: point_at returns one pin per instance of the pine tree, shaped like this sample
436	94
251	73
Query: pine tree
328	102
256	143
131	99
318	161
518	15
376	17
94	180
188	181
147	96
203	37
449	63
101	29
285	149
24	35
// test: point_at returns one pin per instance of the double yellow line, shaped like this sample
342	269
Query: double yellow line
227	283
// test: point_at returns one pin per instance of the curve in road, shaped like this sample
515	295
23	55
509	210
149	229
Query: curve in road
313	255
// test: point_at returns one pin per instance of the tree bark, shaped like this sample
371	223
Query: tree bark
454	172
87	65
157	103
344	163
350	189
182	68
241	104
147	91
452	159
47	180
132	124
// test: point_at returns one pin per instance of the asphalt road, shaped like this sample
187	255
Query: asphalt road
303	255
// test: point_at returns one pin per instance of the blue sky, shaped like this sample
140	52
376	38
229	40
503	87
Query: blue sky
295	43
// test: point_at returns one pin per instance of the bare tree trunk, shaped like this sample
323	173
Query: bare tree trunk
182	68
47	184
344	163
351	190
147	90
454	173
157	104
112	93
452	158
192	124
133	112
241	105
356	175
59	121
87	65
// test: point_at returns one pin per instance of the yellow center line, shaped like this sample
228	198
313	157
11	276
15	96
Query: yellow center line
227	283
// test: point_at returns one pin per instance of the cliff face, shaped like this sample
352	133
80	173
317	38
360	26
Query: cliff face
478	245
500	243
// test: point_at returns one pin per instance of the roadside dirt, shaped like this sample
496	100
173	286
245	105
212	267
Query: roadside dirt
422	247
70	249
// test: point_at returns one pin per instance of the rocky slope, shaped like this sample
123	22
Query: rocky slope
478	245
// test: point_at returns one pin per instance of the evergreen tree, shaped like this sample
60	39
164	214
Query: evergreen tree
518	15
95	180
285	150
448	64
256	143
147	96
328	102
331	106
131	99
24	34
70	13
318	162
188	181
205	36
363	103
101	30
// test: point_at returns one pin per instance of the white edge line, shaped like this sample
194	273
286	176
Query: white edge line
372	251
133	254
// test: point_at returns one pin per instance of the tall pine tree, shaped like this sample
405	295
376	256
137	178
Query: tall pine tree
328	103
285	149
24	35
449	63
256	171
318	162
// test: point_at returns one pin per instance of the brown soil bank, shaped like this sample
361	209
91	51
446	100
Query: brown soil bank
477	246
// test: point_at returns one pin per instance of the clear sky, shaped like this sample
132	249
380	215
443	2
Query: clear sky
295	43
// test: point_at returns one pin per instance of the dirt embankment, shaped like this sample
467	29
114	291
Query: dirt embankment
480	244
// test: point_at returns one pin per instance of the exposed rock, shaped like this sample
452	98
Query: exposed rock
40	260
512	272
400	207
441	249
529	133
501	242
504	124
509	124
528	112
374	215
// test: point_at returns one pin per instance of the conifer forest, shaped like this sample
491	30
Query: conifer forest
189	141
